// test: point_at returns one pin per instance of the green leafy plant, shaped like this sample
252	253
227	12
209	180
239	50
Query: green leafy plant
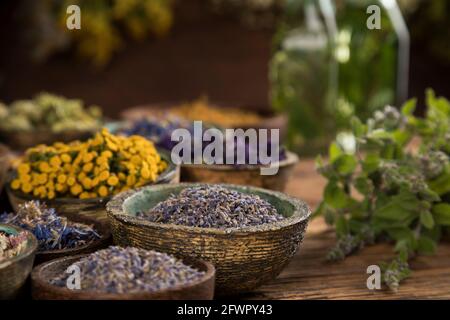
389	181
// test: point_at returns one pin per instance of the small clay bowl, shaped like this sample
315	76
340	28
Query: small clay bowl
93	208
14	271
42	289
241	175
23	139
101	227
245	258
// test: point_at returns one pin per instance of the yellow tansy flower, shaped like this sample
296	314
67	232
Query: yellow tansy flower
23	168
103	191
131	180
112	181
62	178
87	183
107	154
76	189
15	184
104	175
44	167
66	158
88	167
71	181
42	178
26	188
84	195
25	178
55	161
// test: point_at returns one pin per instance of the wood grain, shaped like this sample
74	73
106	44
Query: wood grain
309	276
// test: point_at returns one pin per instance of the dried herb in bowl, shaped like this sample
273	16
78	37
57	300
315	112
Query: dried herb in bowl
213	207
202	109
12	245
49	112
128	270
99	167
52	231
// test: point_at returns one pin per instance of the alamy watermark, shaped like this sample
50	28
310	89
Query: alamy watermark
374	280
374	20
73	21
233	146
73	281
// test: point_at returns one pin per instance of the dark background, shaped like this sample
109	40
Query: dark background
204	53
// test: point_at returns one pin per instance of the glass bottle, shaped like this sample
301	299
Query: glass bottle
303	73
328	65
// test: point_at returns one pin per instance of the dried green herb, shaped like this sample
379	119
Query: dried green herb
380	189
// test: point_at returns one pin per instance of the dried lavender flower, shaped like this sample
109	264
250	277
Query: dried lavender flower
128	270
52	231
213	207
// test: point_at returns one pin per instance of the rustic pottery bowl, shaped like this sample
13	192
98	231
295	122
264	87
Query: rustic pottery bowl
244	258
241	175
14	271
42	289
101	227
95	207
23	139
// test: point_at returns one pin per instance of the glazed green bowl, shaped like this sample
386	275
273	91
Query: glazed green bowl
15	271
245	258
91	208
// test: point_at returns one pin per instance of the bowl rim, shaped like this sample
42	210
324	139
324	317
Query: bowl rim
36	277
302	212
171	169
31	248
291	159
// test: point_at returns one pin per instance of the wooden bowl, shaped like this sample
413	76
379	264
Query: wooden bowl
42	289
14	271
93	208
23	139
101	227
244	258
241	175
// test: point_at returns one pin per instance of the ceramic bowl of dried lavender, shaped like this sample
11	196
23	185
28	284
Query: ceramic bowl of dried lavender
124	273
93	208
248	233
17	252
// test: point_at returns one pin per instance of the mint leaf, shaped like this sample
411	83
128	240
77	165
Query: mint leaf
427	219
441	213
345	164
409	107
335	197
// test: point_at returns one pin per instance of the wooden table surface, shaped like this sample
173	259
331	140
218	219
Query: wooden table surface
309	276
